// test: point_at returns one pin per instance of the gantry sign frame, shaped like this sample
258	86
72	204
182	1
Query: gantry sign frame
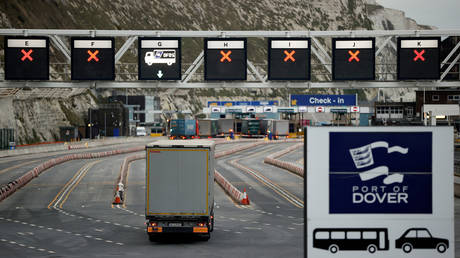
384	40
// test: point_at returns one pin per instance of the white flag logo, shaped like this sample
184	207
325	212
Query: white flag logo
362	158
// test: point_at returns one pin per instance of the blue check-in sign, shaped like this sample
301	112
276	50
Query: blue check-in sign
380	172
323	100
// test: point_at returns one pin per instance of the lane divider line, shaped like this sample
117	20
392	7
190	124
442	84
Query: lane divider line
275	187
65	192
60	231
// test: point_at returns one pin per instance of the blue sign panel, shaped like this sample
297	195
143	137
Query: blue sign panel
243	103
371	172
323	100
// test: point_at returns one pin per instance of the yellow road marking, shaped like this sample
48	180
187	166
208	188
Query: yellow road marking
88	167
64	187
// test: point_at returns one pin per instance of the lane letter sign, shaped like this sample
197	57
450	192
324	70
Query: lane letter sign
159	59
93	58
289	59
225	59
26	58
419	58
353	59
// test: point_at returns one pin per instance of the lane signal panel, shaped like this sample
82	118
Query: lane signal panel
419	58
26	58
93	58
289	59
225	59
159	59
353	59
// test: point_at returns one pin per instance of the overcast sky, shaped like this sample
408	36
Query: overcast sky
444	14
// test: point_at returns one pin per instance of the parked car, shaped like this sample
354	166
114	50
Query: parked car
421	238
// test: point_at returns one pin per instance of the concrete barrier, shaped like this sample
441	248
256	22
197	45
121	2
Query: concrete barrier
121	180
272	160
64	147
231	190
35	172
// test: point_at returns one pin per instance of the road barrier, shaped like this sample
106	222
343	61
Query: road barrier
231	190
13	186
35	172
64	147
119	190
272	160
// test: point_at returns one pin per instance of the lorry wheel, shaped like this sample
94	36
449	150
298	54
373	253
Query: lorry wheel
212	225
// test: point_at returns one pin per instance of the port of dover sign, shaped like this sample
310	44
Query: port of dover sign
379	192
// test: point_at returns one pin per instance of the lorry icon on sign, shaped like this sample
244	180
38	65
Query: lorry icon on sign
160	56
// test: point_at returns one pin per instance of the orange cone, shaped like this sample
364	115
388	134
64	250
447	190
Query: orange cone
245	200
117	199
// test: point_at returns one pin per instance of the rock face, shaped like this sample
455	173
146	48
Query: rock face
38	118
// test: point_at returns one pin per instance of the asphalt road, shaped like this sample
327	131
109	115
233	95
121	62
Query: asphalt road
67	211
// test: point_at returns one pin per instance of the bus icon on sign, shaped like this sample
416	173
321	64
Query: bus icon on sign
160	56
351	239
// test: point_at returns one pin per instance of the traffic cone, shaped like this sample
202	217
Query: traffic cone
117	199
245	200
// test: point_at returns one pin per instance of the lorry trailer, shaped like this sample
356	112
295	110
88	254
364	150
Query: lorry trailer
207	127
183	128
179	188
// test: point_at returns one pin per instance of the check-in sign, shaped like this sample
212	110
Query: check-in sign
419	58
289	59
379	192
26	58
93	58
225	59
353	59
159	59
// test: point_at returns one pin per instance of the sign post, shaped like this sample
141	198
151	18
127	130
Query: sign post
225	59
353	59
26	58
379	192
159	59
419	58
93	58
289	59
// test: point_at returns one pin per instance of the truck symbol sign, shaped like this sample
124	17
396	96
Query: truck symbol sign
160	56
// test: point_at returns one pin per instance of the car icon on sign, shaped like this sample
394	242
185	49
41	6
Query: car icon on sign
421	238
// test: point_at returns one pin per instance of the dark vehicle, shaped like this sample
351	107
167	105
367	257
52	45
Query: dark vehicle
183	128
251	128
421	238
351	239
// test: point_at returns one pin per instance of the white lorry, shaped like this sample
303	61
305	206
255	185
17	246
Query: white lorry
179	188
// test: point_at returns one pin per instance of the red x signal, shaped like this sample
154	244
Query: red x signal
419	55
93	55
225	56
26	55
353	56
289	55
